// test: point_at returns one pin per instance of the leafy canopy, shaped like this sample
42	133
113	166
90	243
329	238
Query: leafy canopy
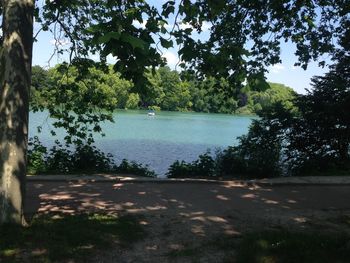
80	99
244	36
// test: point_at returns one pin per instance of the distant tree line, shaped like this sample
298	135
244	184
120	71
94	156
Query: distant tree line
165	89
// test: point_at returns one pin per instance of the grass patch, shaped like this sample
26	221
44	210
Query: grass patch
225	242
51	239
273	246
290	247
218	243
186	252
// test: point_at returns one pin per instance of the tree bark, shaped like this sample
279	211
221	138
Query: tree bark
15	78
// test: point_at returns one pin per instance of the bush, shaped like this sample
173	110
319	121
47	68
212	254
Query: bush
83	159
88	157
229	163
154	108
59	160
180	170
258	155
261	152
134	168
37	153
205	166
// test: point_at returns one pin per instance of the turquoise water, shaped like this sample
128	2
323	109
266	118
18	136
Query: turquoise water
160	140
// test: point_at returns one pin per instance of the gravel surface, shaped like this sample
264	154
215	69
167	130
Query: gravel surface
185	216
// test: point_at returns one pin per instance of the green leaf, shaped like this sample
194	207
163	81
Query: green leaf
133	41
188	31
166	43
258	82
168	10
132	11
93	29
107	37
163	30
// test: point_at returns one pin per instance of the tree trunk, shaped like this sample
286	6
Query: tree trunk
15	77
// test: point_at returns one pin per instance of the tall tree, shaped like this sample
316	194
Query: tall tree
320	137
15	76
104	27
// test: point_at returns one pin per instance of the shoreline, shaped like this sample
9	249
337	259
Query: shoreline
129	178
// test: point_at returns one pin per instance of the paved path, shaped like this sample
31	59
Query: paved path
184	215
295	180
186	198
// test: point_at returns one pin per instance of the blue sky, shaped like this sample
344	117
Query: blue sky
285	72
294	77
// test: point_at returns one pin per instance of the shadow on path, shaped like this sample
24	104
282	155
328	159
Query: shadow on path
181	214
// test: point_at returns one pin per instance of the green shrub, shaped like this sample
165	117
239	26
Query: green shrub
83	159
88	157
154	108
257	156
180	170
229	163
59	160
204	166
37	153
134	168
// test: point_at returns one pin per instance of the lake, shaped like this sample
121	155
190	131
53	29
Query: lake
157	140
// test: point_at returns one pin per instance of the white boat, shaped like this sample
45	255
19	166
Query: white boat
151	113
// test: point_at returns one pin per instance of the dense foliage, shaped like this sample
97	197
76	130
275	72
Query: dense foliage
247	160
166	89
81	159
319	138
205	166
79	99
311	137
245	36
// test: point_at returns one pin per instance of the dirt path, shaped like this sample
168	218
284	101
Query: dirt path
179	215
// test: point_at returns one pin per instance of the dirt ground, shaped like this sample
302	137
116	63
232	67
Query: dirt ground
180	215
